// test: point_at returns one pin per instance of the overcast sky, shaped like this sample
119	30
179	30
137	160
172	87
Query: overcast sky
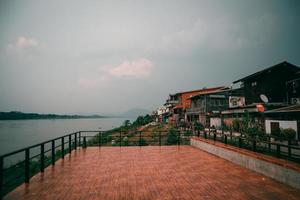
110	56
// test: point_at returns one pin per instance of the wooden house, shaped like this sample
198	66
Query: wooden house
272	83
206	106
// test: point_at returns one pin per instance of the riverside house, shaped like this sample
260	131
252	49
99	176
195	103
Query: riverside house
180	102
267	92
206	106
271	82
281	118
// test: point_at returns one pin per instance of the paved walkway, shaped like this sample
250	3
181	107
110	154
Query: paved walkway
167	172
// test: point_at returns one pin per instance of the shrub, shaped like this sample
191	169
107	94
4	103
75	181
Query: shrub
236	125
198	126
143	142
172	137
125	141
289	133
255	132
188	133
226	128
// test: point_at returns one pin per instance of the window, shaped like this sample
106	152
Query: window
253	83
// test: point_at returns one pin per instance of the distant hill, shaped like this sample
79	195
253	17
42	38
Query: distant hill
13	115
135	112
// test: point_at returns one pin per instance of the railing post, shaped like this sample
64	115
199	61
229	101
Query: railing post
53	152
178	139
278	150
79	144
209	131
1	177
254	145
75	143
27	166
84	142
42	158
289	148
100	139
225	139
140	143
269	144
62	147
205	135
215	137
159	138
240	142
222	131
120	137
70	144
198	132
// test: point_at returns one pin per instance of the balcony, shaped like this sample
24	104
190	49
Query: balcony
195	110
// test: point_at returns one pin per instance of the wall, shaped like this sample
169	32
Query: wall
282	124
281	173
215	121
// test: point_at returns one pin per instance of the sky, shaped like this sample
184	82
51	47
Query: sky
110	56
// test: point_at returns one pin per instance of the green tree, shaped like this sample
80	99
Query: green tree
142	120
125	141
126	123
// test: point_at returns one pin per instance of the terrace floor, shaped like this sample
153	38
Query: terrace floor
167	172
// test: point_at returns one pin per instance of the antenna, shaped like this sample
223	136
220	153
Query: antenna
264	98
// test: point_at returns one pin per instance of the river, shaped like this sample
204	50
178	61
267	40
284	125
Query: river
17	134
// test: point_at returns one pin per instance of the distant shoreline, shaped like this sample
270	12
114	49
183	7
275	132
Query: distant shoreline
23	116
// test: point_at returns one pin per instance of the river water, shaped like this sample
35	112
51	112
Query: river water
17	134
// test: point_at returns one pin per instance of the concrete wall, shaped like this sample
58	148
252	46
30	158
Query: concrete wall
282	124
282	174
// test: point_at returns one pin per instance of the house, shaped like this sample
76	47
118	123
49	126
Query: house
180	102
271	83
171	102
272	88
161	114
293	89
206	106
282	118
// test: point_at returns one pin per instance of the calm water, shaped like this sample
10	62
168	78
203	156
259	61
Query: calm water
16	134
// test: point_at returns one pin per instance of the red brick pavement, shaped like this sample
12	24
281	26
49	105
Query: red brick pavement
167	172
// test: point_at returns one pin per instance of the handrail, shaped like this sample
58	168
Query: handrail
47	141
266	147
57	150
36	145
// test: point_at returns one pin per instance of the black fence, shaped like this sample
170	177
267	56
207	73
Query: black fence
265	146
19	166
135	138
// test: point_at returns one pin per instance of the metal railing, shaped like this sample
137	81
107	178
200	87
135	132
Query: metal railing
19	166
275	149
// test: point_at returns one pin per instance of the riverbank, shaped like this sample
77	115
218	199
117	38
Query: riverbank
14	115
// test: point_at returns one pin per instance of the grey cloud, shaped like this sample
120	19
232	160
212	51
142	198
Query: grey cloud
66	59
